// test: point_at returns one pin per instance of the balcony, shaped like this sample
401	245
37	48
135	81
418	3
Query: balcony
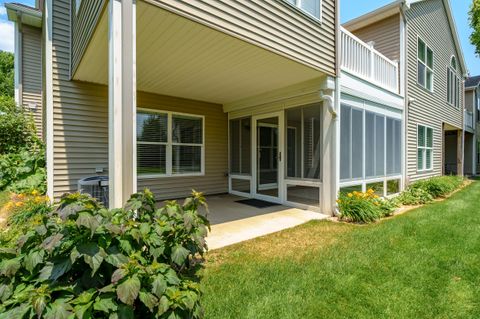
469	123
362	60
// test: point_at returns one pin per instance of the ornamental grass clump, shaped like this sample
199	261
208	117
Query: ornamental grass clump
363	207
85	261
439	186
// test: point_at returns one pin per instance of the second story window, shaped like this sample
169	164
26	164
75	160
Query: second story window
453	84
425	66
312	7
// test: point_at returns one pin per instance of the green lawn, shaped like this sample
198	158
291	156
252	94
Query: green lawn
423	264
4	198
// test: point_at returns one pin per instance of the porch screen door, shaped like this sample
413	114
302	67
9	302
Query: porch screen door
268	158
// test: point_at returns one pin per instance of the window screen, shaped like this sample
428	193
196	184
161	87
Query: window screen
351	139
151	143
240	146
394	148
304	143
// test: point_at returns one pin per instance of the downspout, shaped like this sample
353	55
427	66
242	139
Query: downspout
404	82
18	60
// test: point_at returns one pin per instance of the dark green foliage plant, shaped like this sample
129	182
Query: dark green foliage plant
17	128
474	17
24	171
85	261
439	186
414	196
6	74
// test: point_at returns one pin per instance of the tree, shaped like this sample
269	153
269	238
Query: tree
475	24
6	73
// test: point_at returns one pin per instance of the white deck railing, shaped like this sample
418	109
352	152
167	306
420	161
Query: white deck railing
362	60
469	119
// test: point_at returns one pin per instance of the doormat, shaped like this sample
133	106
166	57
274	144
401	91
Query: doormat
256	203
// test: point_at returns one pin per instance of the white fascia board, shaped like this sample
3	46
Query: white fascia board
352	85
30	16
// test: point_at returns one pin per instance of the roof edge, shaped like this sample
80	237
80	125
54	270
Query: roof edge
29	15
374	16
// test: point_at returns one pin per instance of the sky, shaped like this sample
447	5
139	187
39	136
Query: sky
349	9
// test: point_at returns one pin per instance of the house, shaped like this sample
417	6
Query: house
422	36
472	120
28	59
223	97
271	100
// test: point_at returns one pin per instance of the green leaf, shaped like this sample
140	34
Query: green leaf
127	291
16	313
50	243
39	303
118	275
148	300
92	255
87	220
163	306
5	292
84	310
172	277
116	259
10	267
179	255
126	246
46	272
33	259
106	304
145	229
159	285
59	309
125	312
60	268
85	297
188	219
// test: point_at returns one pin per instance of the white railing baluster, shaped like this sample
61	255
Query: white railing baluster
367	63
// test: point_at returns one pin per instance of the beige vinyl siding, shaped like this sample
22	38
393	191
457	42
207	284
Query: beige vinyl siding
81	127
216	149
272	24
428	19
386	35
80	114
32	73
469	100
83	26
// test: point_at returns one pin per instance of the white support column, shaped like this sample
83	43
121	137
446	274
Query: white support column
122	101
48	97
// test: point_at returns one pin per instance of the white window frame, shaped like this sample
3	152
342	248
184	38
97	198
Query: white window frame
424	149
298	5
425	64
169	145
453	84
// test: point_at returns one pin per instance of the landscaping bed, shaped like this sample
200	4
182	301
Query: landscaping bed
423	264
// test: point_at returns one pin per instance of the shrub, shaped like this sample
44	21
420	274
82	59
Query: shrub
359	207
17	128
86	261
414	196
24	172
439	186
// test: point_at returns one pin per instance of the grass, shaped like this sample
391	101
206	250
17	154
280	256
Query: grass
423	264
4	198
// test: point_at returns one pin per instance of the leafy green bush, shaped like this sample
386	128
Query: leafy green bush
439	186
86	261
414	196
17	128
24	172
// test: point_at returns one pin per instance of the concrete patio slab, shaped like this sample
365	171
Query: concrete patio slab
233	222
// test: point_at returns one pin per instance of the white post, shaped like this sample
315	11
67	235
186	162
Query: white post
122	101
18	61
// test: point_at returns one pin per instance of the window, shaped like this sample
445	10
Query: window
425	66
169	144
312	7
424	148
453	84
